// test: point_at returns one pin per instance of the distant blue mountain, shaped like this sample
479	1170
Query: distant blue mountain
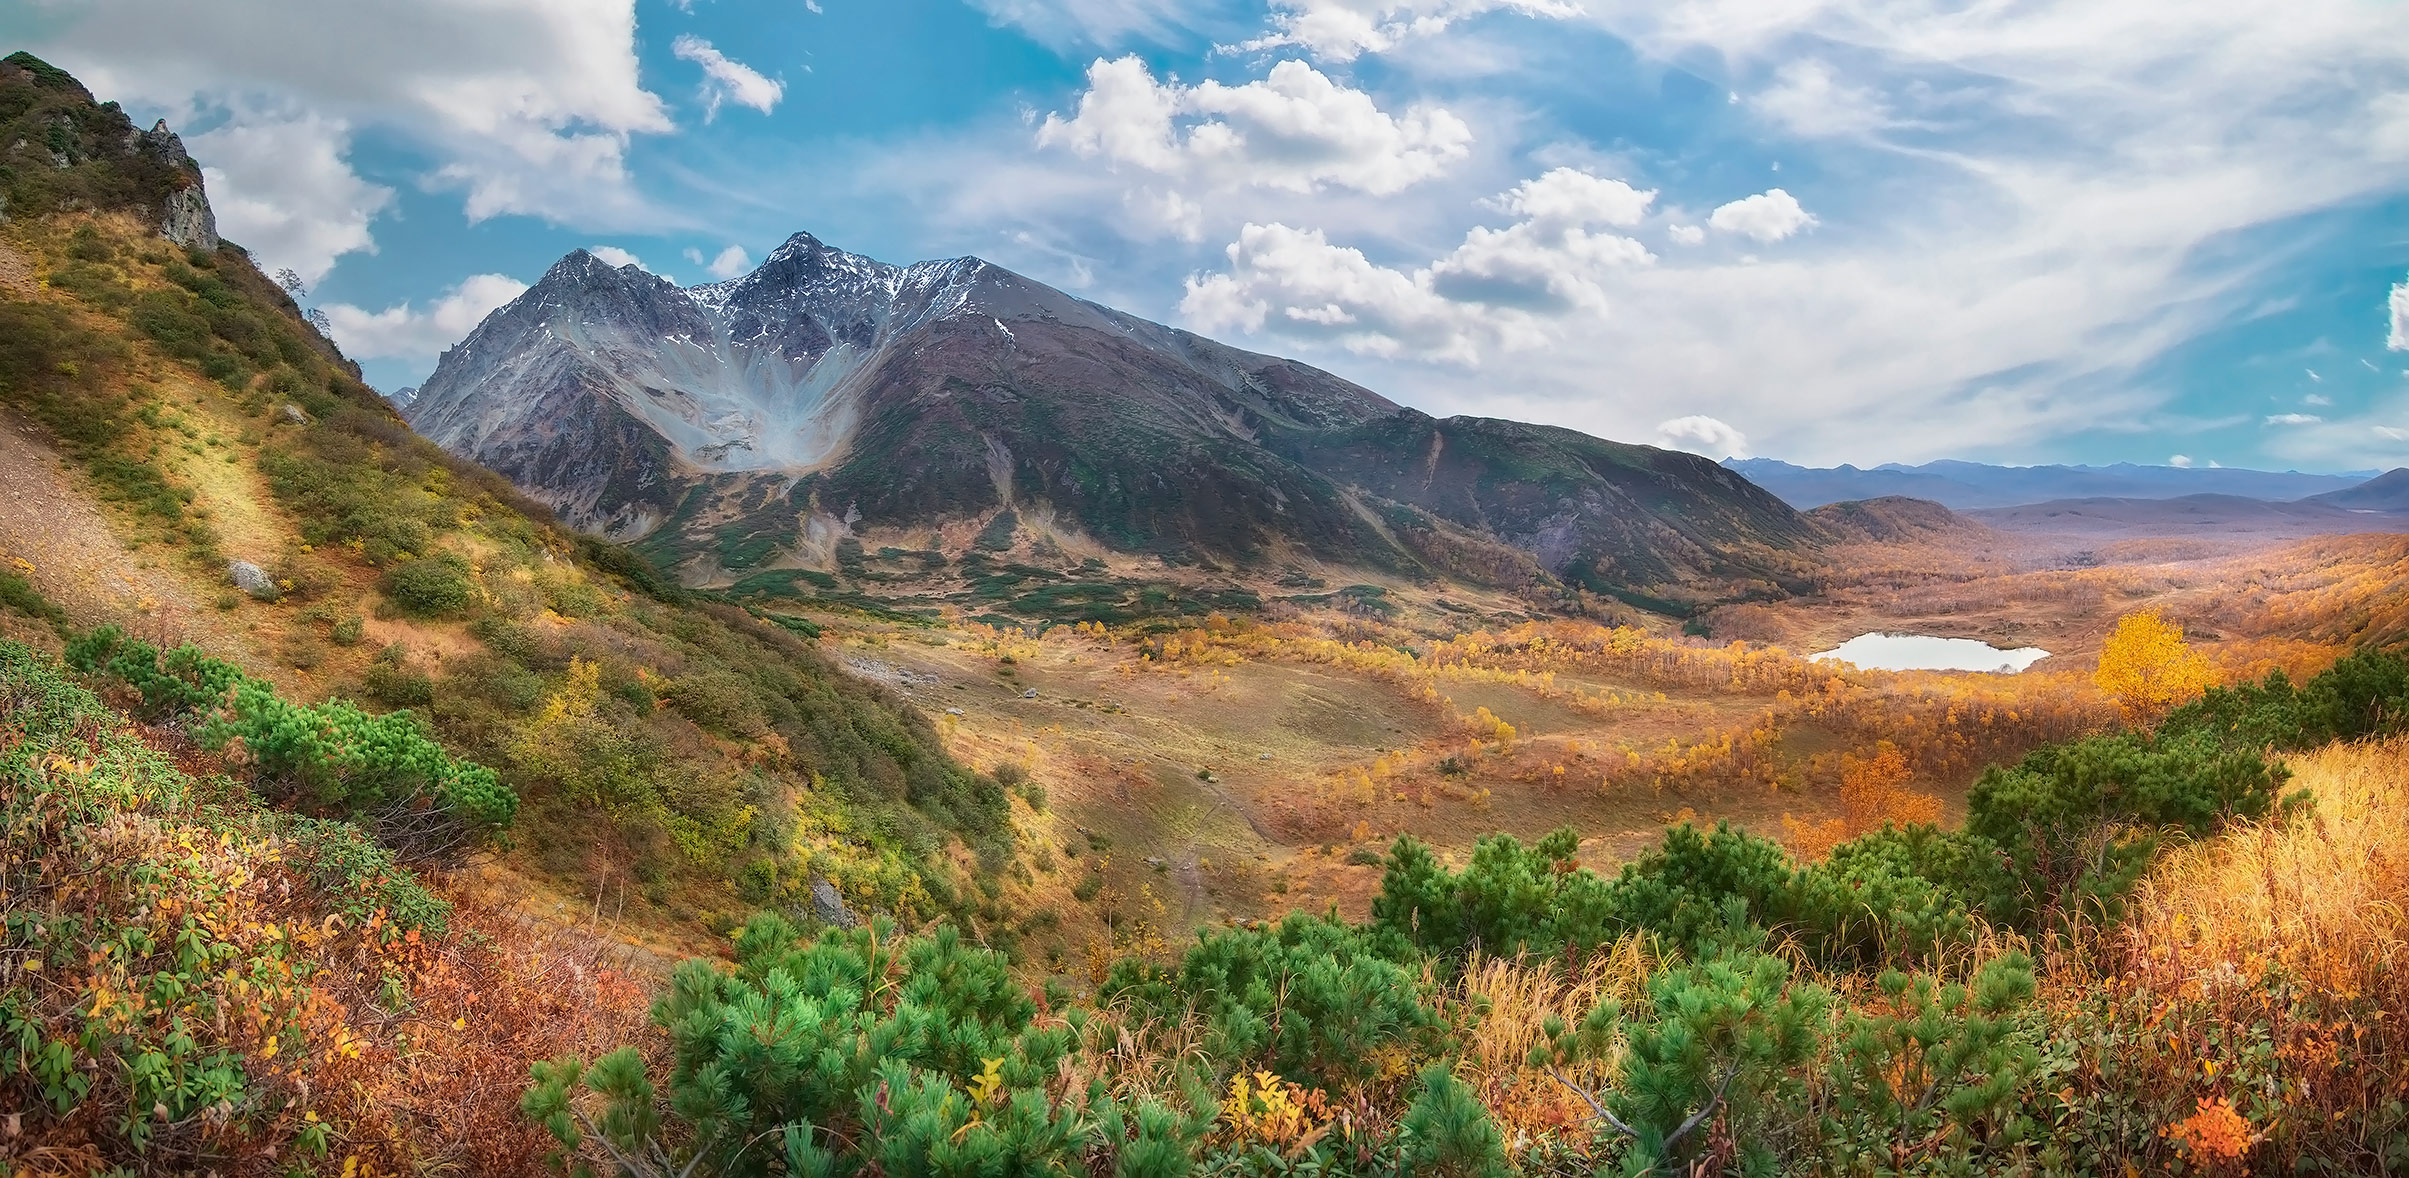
1964	486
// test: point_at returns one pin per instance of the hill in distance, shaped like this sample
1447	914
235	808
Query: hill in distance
785	425
1964	486
2387	493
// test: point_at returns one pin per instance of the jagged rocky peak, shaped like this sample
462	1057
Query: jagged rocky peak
803	260
826	392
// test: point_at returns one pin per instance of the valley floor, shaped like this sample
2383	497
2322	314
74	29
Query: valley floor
1235	768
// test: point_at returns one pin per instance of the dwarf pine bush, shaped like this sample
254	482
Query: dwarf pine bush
386	769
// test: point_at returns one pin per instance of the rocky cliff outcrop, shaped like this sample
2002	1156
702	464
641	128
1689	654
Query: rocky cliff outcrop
184	215
62	150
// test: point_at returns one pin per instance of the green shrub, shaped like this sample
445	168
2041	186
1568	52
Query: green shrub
2364	693
18	594
1933	1068
1718	1043
431	586
358	878
719	701
379	767
1311	998
919	1057
183	680
389	681
572	598
138	882
2076	823
1448	1133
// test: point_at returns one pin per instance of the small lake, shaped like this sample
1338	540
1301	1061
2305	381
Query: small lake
1920	652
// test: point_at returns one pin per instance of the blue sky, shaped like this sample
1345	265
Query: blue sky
1819	230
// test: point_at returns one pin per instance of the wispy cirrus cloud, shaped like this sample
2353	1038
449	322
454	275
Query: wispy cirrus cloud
2013	211
1068	23
726	80
2398	340
1343	30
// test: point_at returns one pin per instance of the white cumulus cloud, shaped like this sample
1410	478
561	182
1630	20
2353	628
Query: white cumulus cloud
1343	30
2293	419
1334	292
1769	216
407	332
1700	434
525	106
728	263
614	256
1500	287
1686	234
726	80
281	187
1570	196
1552	260
1296	131
2398	341
2180	461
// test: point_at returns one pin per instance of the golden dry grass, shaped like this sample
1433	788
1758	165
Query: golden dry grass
2319	897
2265	966
1519	996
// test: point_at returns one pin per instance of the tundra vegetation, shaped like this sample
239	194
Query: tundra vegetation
2166	948
389	869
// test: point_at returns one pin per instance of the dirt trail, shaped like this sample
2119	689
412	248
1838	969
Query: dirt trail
50	522
17	271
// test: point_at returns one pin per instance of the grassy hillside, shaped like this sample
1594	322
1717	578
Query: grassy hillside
682	755
191	980
2150	951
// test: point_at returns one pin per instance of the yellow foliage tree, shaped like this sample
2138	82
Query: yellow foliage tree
2146	667
1873	791
1873	794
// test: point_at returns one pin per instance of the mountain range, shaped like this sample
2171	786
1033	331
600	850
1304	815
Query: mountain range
1965	486
774	419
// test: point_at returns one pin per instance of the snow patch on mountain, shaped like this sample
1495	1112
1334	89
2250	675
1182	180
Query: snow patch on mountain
749	374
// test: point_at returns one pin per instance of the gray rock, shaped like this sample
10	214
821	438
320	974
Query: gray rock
293	413
185	217
187	221
953	711
252	579
1029	694
829	905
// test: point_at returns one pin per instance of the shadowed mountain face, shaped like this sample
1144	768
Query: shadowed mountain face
826	394
2387	492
